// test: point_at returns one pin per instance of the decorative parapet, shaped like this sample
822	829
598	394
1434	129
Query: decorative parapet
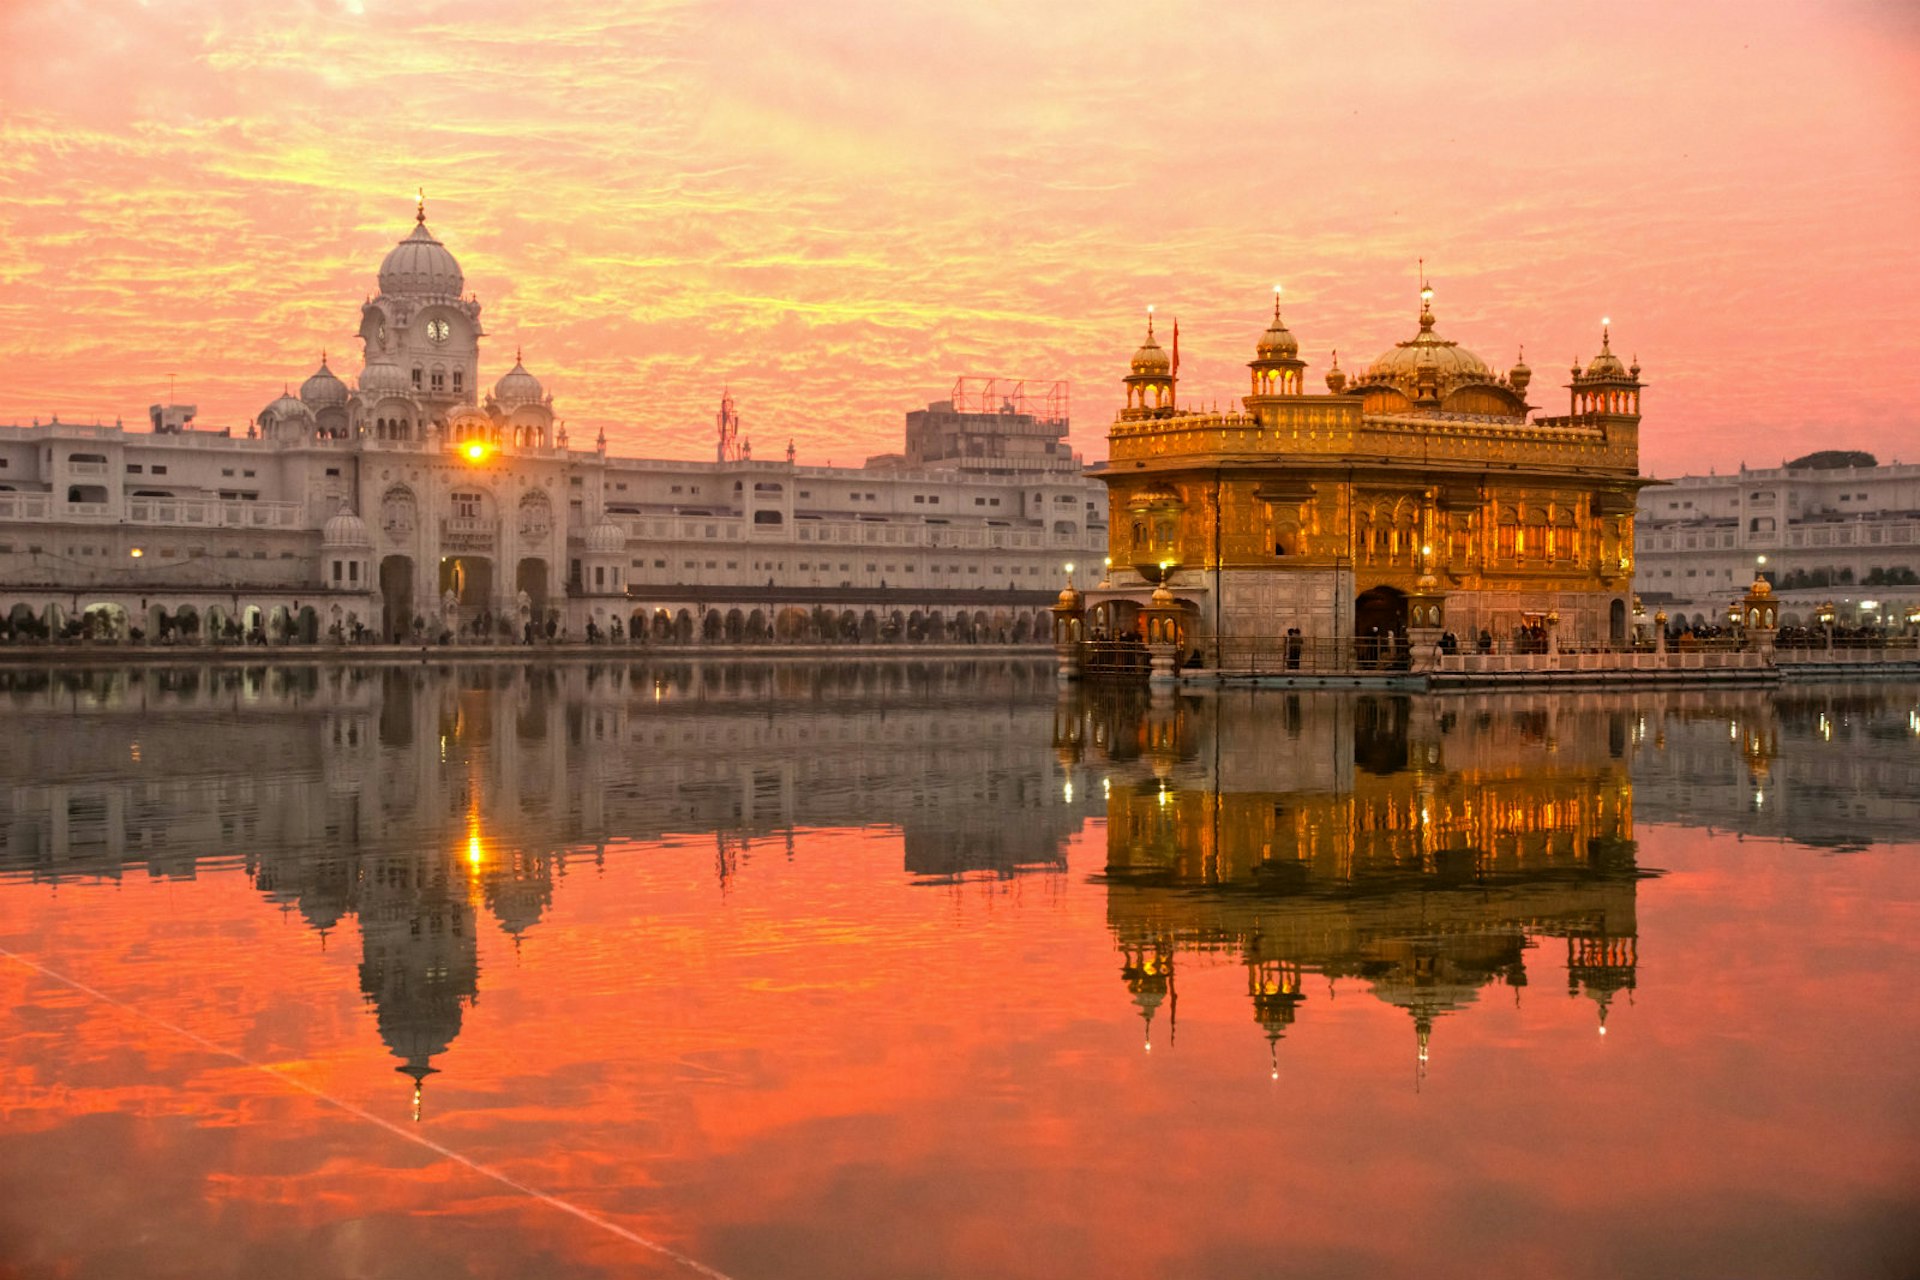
1331	426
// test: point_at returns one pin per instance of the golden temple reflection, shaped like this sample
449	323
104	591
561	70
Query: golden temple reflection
1420	846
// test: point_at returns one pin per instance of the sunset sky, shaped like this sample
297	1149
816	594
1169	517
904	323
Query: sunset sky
836	209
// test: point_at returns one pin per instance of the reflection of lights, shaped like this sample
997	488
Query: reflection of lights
1759	799
1106	784
1163	799
473	850
135	749
1066	790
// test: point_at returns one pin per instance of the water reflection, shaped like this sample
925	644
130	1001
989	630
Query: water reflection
787	966
1421	848
410	801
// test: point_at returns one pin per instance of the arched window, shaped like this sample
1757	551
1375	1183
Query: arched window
1506	545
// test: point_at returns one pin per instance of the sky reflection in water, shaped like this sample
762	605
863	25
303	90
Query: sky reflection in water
856	974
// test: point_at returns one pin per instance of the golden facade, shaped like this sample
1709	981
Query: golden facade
1425	479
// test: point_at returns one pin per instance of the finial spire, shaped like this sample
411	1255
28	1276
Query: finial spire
1276	302
1606	335
1149	320
420	206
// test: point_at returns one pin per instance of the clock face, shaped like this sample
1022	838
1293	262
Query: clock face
437	330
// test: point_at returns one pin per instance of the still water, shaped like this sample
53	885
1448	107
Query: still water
909	970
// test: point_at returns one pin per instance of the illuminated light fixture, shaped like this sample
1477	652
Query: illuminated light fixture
476	452
137	552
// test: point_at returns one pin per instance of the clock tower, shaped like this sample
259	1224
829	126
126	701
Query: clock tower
422	323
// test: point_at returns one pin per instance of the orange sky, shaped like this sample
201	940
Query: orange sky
837	209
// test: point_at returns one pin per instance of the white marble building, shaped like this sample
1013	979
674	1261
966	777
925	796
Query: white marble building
412	502
1848	535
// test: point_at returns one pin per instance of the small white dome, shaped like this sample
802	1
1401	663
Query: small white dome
345	529
384	378
283	408
323	388
606	538
517	386
422	267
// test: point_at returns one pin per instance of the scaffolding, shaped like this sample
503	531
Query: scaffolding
1046	402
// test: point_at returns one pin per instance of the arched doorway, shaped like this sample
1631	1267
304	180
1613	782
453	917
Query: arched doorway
530	579
470	578
396	597
1617	622
1379	625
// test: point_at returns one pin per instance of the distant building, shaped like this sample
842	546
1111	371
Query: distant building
993	427
1421	492
414	501
1847	534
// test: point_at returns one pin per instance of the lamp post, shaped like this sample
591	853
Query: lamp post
1825	614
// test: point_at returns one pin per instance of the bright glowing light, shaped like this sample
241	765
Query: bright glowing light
137	552
1069	567
1603	1031
476	452
473	850
1606	320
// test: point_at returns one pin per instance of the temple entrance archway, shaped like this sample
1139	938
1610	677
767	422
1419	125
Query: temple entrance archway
1617	622
1380	626
1381	610
396	597
470	578
530	577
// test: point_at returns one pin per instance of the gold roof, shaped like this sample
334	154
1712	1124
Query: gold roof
1453	363
1151	358
1277	343
1606	364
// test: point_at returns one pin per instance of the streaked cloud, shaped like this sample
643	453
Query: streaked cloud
836	210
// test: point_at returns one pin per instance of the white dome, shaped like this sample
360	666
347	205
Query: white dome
421	266
384	378
283	408
606	538
323	388
517	386
345	529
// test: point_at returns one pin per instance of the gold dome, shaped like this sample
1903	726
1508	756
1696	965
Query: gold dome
1453	364
1520	375
1151	358
1761	587
1069	598
1154	495
1277	343
1607	364
1337	377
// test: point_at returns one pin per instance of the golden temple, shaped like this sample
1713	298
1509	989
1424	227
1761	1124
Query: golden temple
1421	496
